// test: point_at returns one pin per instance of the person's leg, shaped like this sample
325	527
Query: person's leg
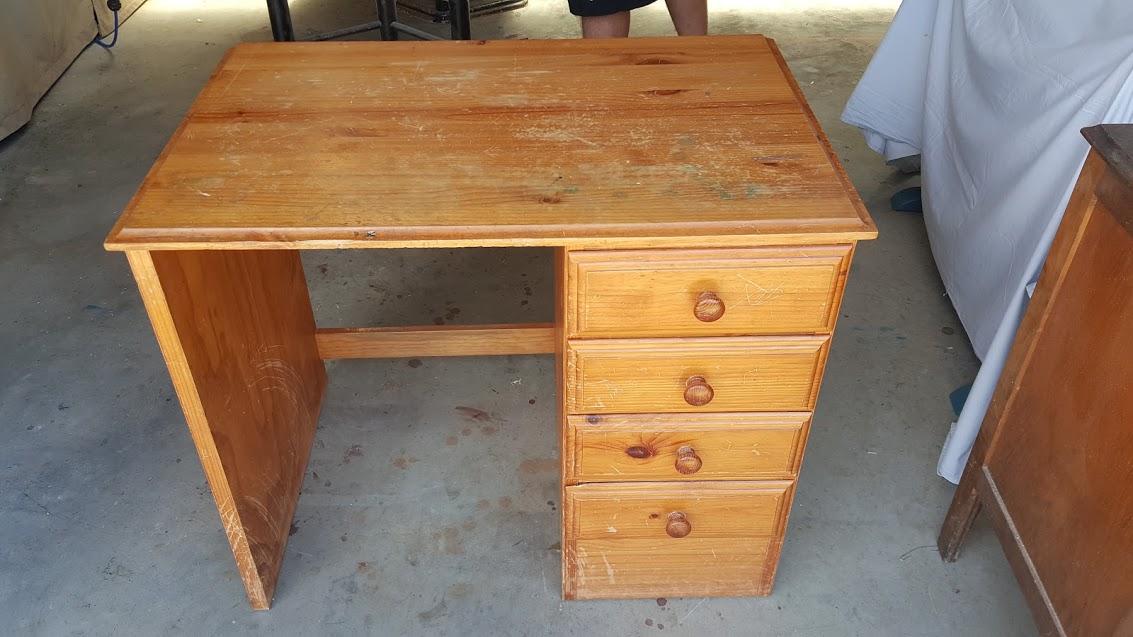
615	25
690	17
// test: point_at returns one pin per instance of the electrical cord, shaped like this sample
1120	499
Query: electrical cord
115	6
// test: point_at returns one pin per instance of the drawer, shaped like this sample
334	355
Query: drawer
626	569
771	290
754	373
641	510
680	539
684	447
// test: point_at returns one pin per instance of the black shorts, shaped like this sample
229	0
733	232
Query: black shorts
604	7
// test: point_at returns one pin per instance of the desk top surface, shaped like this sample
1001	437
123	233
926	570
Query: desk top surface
553	142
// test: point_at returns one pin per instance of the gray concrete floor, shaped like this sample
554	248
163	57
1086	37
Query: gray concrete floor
416	519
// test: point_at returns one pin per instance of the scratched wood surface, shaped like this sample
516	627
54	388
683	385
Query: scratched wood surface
246	369
620	546
561	142
690	567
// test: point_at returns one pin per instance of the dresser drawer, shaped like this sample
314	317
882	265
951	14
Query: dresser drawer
719	567
682	539
684	447
642	510
719	292
694	374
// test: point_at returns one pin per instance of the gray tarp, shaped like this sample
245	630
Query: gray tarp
38	40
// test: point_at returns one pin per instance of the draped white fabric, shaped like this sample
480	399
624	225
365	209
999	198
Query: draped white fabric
992	94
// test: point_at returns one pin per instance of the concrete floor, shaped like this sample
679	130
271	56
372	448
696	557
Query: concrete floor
417	518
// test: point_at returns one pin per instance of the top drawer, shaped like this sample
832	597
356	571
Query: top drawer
718	292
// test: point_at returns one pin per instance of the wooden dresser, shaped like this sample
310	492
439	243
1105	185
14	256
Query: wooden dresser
702	230
1053	463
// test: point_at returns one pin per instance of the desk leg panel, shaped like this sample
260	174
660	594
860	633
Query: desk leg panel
238	335
566	459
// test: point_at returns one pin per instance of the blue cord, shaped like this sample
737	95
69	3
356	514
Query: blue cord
113	40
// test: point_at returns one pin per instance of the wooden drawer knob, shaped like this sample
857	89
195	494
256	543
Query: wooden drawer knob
687	460
697	391
677	526
708	307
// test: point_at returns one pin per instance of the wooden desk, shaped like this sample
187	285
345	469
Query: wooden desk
702	228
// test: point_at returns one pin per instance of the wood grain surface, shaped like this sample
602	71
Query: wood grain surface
1054	458
753	373
689	567
566	574
662	171
559	142
436	340
621	547
639	510
646	446
770	290
238	335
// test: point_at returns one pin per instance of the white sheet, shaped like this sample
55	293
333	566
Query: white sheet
992	94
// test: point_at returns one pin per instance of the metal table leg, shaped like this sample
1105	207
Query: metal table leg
460	20
279	15
387	15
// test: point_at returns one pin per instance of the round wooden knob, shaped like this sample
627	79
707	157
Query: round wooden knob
698	392
708	307
678	525
687	460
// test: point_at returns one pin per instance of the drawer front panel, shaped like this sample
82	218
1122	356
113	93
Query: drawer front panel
610	569
621	542
644	510
643	293
694	375
684	447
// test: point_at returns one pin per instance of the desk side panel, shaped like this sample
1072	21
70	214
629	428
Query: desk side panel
238	334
